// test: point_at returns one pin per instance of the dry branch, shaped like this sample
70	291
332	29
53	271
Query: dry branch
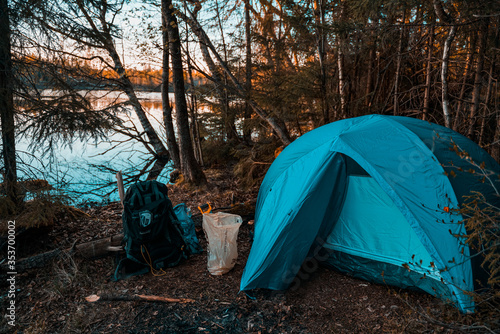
143	298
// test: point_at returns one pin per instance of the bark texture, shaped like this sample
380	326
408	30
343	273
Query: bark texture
7	109
189	166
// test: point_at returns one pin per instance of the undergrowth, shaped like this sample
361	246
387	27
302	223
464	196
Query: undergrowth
42	210
482	221
253	162
217	152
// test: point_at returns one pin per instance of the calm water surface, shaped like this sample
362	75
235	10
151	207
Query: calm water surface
85	171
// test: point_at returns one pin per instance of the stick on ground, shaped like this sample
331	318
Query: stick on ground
145	298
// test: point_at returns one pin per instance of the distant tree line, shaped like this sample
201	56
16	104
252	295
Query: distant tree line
84	75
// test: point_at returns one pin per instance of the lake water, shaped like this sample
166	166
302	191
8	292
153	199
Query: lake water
85	171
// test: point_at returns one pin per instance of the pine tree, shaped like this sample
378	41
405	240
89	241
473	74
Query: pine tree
189	166
7	109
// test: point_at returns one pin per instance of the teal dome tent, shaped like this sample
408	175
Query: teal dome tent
380	194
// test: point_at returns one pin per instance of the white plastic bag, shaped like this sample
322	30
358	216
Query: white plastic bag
221	230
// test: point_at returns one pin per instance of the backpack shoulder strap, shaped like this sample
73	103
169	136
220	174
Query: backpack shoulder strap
156	190
136	191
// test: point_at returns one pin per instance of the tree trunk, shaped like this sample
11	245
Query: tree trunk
441	14
478	84
369	76
173	148
134	101
221	91
428	81
228	116
341	70
194	112
278	127
495	144
495	151
162	155
340	64
468	67
247	131
216	76
189	166
398	67
486	117
319	14
7	109
444	75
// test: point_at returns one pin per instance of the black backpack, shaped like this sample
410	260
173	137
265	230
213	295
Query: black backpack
152	238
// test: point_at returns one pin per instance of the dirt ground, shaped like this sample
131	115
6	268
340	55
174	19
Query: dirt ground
52	299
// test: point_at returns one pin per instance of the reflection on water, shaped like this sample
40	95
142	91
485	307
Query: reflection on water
86	170
151	105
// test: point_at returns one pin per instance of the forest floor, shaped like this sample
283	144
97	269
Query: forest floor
52	299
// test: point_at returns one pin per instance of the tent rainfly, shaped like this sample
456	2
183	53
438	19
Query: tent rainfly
381	195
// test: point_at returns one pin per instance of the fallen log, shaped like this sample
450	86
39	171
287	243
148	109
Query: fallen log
144	298
36	261
98	248
88	250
